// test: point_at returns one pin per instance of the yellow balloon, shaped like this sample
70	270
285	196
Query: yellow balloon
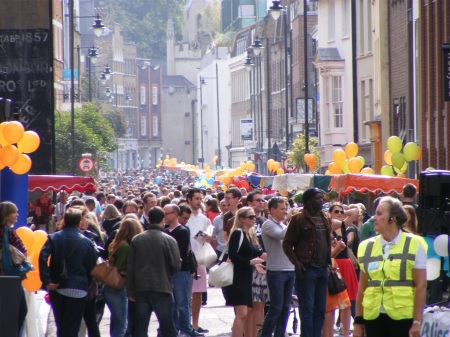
367	170
387	171
388	157
224	187
280	171
394	144
269	164
13	132
339	156
354	165
9	155
3	141
22	165
410	151
398	160
26	235
275	166
203	182
351	150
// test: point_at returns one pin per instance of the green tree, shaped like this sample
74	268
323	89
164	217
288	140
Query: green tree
93	134
298	151
145	22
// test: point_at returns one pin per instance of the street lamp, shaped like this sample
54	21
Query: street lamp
98	28
107	72
202	83
275	12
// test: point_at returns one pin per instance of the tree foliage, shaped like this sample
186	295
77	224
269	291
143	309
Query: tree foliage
298	151
93	134
211	19
145	22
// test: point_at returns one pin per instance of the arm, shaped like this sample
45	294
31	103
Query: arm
273	230
359	328
174	256
44	269
121	257
420	281
129	278
290	240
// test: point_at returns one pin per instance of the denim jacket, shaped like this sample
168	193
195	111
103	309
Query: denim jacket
79	253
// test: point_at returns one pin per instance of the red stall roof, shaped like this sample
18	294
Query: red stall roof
347	183
57	183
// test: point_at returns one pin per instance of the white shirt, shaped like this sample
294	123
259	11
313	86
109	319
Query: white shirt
195	224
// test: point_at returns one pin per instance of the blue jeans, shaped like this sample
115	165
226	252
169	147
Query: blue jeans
182	293
68	314
312	297
281	285
162	305
117	302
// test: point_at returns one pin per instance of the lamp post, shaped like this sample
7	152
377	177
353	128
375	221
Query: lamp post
202	83
275	12
219	157
98	31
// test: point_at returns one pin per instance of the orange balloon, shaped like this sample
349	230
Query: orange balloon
32	282
22	165
306	158
269	164
351	150
339	156
13	132
40	238
312	159
280	171
388	157
327	173
26	235
419	154
354	165
3	141
334	168
9	155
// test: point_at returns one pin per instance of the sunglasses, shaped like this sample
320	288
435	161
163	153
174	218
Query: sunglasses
253	216
337	211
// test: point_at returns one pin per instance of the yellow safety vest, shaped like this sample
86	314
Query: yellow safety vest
390	280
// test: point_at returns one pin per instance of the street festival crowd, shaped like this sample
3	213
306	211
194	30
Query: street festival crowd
284	249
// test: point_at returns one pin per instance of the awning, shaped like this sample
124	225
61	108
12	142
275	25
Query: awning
57	183
347	183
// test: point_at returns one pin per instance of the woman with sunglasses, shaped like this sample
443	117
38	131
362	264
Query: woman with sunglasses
244	251
345	265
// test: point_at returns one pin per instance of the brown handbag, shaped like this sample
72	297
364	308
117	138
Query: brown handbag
107	273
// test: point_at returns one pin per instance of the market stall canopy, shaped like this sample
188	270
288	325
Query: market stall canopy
347	183
57	183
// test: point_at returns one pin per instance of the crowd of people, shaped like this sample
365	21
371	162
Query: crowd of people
280	249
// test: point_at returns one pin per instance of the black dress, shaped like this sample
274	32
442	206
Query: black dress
240	292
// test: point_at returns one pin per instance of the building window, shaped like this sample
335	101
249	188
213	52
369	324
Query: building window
331	20
155	126
346	17
155	94
369	27
361	26
337	103
143	98
143	126
363	109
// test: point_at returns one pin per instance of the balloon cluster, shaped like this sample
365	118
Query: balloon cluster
348	161
12	155
274	167
398	156
33	242
310	160
243	168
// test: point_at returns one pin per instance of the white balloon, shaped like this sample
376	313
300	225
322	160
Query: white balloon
441	245
433	269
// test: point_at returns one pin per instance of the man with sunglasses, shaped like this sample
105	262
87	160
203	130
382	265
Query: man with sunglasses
280	271
307	244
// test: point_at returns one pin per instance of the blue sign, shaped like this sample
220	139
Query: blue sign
66	74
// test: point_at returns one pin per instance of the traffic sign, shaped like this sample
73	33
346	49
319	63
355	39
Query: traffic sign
86	164
288	166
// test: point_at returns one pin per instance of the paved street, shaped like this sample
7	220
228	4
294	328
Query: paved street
215	316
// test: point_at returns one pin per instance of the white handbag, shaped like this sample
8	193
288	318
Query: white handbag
221	275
